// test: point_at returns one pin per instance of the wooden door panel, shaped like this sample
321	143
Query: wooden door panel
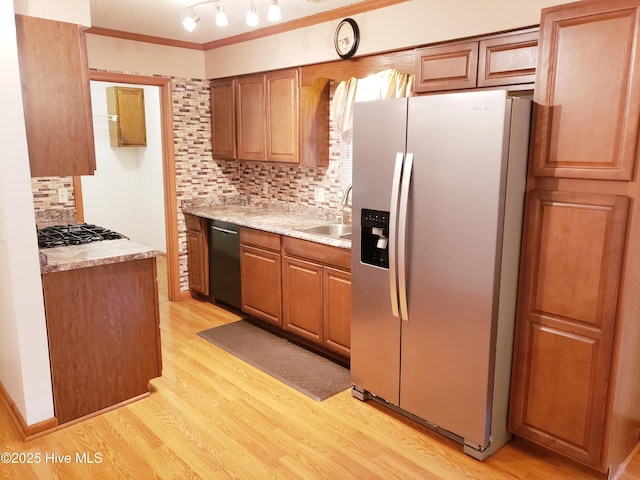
564	366
130	129
250	117
223	119
574	258
588	98
261	284
572	261
302	298
337	310
449	67
197	260
282	116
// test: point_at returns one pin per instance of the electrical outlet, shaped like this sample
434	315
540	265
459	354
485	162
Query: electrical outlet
319	194
265	188
63	195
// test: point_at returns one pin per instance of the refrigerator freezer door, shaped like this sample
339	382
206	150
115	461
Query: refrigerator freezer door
379	134
453	248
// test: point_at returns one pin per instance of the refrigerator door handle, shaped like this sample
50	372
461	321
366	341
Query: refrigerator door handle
393	234
402	236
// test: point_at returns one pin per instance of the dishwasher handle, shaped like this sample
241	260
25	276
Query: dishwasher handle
224	230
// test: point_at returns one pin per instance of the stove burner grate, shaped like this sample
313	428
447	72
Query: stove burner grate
64	235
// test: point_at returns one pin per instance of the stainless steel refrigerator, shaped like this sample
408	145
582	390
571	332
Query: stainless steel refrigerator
438	192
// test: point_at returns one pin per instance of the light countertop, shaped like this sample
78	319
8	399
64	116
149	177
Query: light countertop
92	254
269	220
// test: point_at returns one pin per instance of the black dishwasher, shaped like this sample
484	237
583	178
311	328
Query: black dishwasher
224	263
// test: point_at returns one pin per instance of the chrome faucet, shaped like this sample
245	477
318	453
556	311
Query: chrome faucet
345	198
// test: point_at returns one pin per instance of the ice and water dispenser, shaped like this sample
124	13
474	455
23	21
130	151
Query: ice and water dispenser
374	248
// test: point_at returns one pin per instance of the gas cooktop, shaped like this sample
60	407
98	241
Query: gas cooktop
63	235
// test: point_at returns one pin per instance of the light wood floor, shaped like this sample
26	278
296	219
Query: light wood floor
211	416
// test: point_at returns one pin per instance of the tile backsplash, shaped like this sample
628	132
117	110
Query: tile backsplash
198	176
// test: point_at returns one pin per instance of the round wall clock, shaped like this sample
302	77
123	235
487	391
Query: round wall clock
346	38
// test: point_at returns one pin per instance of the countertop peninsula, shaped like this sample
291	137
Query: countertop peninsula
59	259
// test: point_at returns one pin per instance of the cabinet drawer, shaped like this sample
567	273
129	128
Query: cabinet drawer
318	252
508	60
260	238
195	223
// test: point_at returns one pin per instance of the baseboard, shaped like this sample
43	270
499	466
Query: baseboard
188	295
30	432
27	432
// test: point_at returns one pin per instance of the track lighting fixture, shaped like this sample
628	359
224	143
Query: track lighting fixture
252	15
191	21
273	14
221	17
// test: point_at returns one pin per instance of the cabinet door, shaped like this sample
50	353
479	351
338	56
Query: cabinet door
250	116
54	73
197	255
508	60
566	320
337	310
448	67
282	116
302	298
130	129
587	91
261	283
223	119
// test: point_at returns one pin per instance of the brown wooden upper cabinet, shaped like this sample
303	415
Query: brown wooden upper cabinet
251	133
587	96
497	60
223	119
129	129
271	117
56	96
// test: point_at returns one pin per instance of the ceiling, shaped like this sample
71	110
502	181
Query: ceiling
163	18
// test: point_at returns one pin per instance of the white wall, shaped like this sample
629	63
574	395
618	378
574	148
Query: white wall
119	55
24	352
72	11
399	26
126	194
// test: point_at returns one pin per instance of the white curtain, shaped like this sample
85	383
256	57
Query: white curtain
386	84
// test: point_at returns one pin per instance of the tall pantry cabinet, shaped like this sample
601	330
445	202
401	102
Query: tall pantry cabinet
576	371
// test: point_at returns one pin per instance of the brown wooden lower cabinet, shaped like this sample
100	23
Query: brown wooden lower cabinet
337	310
302	298
198	254
103	327
562	382
260	267
316	295
301	287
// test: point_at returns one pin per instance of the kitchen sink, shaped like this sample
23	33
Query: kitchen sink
337	230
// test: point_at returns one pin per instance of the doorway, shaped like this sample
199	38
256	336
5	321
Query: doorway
168	170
